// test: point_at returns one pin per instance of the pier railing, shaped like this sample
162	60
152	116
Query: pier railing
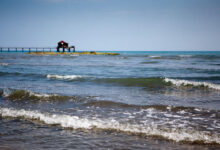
27	49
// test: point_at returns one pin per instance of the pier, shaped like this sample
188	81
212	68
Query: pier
28	49
63	45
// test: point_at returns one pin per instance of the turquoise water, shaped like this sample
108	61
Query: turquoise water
135	100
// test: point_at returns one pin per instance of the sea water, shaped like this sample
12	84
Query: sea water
135	100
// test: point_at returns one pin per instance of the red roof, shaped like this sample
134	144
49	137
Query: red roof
61	42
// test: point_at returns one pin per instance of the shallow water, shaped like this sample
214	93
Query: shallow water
136	100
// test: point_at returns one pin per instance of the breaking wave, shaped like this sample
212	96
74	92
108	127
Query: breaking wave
185	56
178	82
159	82
28	95
174	57
64	77
155	57
75	122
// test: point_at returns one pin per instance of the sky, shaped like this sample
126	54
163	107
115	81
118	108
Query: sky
112	24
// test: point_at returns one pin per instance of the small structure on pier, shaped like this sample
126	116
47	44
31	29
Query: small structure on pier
64	45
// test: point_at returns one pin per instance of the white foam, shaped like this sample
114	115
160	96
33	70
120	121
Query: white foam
76	122
7	92
4	64
41	95
185	56
181	112
178	82
155	56
64	77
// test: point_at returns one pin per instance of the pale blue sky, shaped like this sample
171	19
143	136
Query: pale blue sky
112	24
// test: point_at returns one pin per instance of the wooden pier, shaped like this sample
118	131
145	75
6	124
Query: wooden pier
63	45
28	49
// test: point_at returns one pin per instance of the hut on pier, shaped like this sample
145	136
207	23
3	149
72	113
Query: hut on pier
64	45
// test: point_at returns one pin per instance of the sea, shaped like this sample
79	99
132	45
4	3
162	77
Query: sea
151	100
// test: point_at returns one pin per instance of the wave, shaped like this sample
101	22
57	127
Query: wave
142	82
25	95
177	57
154	82
149	62
150	82
185	56
9	73
2	73
158	108
159	82
49	76
155	57
208	57
28	95
207	71
174	57
64	77
178	82
120	105
76	122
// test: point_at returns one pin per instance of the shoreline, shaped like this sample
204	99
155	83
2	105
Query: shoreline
73	53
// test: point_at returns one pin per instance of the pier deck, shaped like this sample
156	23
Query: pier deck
27	49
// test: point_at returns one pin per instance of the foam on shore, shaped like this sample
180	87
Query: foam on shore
75	122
